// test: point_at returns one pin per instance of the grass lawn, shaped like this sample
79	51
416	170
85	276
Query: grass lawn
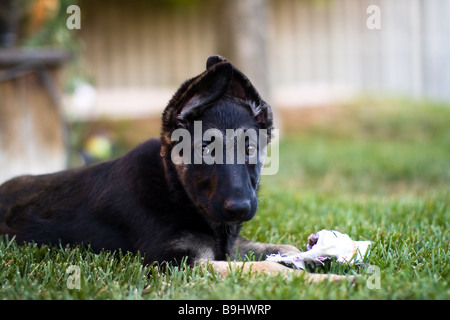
376	170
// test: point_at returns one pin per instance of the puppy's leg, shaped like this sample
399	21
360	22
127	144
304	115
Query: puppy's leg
224	268
244	246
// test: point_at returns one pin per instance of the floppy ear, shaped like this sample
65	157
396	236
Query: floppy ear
212	60
206	89
240	87
220	78
196	93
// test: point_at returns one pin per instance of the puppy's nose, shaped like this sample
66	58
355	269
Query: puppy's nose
237	207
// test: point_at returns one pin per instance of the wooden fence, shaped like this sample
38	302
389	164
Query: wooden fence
314	47
331	44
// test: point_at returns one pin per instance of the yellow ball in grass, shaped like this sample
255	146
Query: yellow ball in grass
99	147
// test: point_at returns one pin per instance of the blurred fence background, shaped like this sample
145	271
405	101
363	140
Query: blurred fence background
315	51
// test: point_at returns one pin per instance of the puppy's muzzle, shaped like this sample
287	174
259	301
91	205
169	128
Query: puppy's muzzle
238	209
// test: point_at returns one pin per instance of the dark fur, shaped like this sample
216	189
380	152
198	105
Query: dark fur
143	201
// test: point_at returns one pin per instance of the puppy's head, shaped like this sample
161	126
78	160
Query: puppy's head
214	133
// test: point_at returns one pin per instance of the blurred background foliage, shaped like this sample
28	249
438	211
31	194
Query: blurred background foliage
47	27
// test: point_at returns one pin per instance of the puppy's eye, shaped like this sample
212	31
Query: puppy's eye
206	151
251	150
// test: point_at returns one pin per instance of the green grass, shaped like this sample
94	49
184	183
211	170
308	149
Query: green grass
375	170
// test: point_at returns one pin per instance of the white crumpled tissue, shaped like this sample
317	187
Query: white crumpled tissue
323	245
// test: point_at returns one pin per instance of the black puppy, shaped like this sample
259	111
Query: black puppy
159	199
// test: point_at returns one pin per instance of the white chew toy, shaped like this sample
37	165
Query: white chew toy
325	244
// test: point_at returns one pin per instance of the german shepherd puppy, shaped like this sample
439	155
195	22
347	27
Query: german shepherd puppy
151	202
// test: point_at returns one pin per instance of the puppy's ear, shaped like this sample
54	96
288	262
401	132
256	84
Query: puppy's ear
195	94
206	89
212	60
241	88
221	78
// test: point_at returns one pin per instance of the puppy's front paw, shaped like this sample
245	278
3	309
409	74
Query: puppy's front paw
286	249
